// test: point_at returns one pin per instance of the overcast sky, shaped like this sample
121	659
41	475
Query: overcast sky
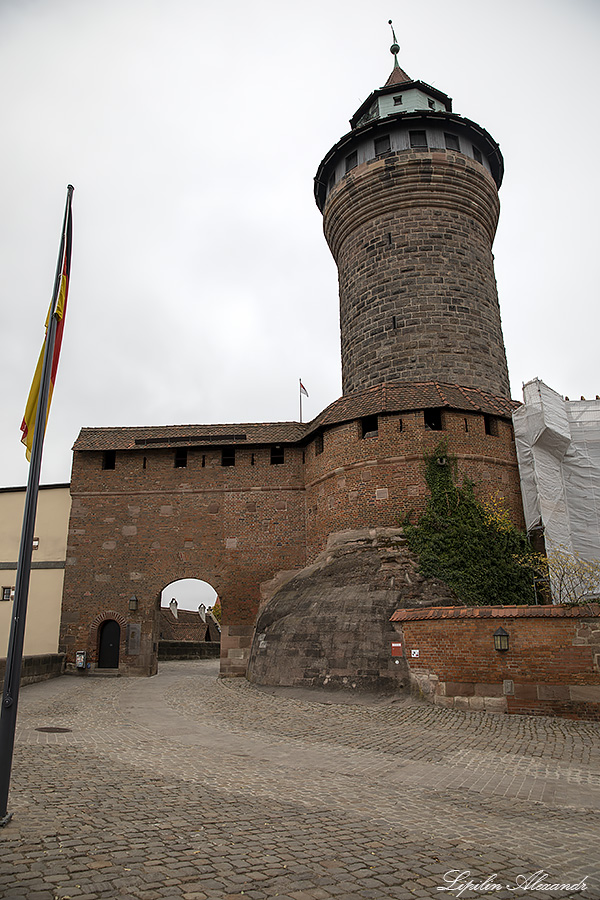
202	287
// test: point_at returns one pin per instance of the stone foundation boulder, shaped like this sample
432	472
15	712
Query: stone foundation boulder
328	625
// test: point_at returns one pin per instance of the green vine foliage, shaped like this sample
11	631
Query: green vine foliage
479	556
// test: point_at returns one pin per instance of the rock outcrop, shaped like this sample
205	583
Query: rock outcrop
327	625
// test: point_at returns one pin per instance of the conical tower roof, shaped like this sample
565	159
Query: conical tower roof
398	76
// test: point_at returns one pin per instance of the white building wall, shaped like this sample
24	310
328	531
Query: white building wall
48	563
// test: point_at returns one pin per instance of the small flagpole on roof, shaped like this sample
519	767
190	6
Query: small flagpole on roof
302	391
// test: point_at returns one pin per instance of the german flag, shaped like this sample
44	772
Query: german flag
58	309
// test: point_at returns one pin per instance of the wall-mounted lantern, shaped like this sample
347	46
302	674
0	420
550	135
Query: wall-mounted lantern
501	639
133	603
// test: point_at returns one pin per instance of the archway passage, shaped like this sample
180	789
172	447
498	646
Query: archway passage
189	593
108	651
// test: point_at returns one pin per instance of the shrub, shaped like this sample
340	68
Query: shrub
472	546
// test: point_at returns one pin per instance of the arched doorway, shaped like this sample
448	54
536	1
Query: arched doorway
108	646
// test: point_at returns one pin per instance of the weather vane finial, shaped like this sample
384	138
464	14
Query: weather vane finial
395	48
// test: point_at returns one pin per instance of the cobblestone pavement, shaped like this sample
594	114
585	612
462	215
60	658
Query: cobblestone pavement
187	787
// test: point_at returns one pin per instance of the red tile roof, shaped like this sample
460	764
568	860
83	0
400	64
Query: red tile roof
405	396
184	617
500	612
157	436
398	396
398	76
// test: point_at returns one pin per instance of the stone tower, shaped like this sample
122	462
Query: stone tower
410	207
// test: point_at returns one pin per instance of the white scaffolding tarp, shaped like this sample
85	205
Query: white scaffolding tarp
558	448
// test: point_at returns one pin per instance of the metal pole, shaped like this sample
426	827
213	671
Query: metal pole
14	657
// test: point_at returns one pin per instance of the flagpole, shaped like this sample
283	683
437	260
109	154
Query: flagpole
14	657
300	391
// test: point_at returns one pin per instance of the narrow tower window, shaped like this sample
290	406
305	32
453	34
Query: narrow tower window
382	144
351	161
417	138
369	426
180	458
277	455
431	104
109	458
319	443
433	419
398	100
228	456
491	425
451	142
477	155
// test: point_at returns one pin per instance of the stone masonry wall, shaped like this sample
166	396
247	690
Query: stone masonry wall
552	666
412	234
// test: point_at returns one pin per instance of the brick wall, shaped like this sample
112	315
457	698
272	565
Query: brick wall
552	666
412	234
378	479
136	528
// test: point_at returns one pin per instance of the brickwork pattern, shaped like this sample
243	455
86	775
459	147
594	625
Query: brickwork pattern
137	528
379	479
411	235
552	666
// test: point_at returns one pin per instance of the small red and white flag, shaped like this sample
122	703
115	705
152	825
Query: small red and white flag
303	389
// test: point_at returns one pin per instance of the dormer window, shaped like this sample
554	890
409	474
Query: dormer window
351	161
398	100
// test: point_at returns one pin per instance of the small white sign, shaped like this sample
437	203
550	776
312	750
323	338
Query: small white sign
414	653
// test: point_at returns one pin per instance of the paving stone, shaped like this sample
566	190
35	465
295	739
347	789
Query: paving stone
218	788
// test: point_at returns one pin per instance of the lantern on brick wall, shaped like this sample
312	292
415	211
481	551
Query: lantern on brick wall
500	639
133	603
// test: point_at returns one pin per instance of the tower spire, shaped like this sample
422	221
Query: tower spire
395	48
398	75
